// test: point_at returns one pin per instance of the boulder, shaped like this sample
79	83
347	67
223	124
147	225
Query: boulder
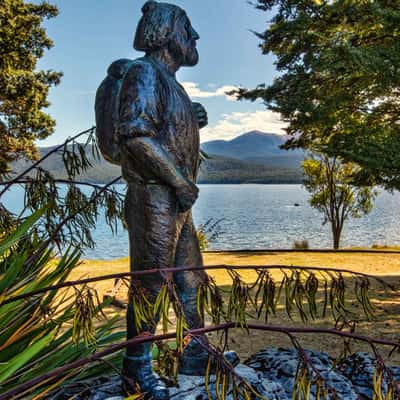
280	365
271	372
359	368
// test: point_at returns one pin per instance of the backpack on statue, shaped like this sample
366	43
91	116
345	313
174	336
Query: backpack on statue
106	109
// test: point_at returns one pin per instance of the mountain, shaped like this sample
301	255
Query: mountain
254	157
256	146
220	169
100	172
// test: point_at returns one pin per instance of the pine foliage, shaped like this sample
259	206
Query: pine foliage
339	80
23	88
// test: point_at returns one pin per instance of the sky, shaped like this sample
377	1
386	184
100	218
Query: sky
90	34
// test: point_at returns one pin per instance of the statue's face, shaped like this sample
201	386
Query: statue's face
183	42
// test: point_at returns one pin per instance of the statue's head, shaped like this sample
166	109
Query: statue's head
165	25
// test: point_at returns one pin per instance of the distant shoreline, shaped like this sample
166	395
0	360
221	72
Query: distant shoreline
250	183
210	183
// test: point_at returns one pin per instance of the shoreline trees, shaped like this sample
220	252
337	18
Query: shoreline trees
329	180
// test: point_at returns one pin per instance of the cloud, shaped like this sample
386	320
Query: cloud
194	91
237	123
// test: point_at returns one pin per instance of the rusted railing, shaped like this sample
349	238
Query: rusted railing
289	331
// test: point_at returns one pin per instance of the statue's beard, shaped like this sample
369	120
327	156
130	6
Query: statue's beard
186	54
192	57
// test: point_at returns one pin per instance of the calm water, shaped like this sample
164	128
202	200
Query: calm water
264	216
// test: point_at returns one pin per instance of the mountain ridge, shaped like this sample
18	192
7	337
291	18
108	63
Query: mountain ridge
256	146
275	166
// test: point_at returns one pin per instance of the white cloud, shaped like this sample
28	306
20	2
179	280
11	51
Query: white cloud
237	123
194	91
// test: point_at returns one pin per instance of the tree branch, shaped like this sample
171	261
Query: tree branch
181	269
34	165
23	181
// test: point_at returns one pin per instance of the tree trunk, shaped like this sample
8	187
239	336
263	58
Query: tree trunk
336	237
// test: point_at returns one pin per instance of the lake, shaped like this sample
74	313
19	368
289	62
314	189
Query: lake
262	217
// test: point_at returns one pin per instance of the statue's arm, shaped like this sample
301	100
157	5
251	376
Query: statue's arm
139	116
147	152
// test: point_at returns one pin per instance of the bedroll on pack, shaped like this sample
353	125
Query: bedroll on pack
106	109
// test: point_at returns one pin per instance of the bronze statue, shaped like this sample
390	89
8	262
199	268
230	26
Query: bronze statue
156	141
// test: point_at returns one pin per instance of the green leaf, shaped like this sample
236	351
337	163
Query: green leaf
10	275
21	359
15	236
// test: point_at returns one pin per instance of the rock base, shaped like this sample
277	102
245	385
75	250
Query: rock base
272	374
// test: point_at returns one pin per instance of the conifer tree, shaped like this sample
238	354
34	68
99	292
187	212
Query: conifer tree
339	80
23	88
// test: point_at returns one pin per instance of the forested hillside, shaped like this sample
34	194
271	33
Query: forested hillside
228	170
264	162
259	147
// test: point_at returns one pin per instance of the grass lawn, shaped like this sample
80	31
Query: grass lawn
387	304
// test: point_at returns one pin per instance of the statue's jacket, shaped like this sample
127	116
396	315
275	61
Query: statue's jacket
153	104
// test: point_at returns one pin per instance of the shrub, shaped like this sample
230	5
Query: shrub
301	245
208	232
378	246
41	333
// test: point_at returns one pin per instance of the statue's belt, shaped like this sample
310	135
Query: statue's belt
153	182
146	182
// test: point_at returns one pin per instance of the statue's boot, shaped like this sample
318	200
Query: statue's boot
138	370
195	359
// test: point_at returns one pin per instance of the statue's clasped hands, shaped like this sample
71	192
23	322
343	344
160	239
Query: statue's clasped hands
188	192
187	195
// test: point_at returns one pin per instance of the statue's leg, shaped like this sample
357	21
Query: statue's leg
154	225
194	360
188	254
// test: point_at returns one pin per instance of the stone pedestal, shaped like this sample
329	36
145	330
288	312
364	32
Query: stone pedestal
272	374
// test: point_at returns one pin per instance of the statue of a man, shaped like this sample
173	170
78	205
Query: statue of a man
158	130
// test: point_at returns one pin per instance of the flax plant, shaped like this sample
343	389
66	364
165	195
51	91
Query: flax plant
36	334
